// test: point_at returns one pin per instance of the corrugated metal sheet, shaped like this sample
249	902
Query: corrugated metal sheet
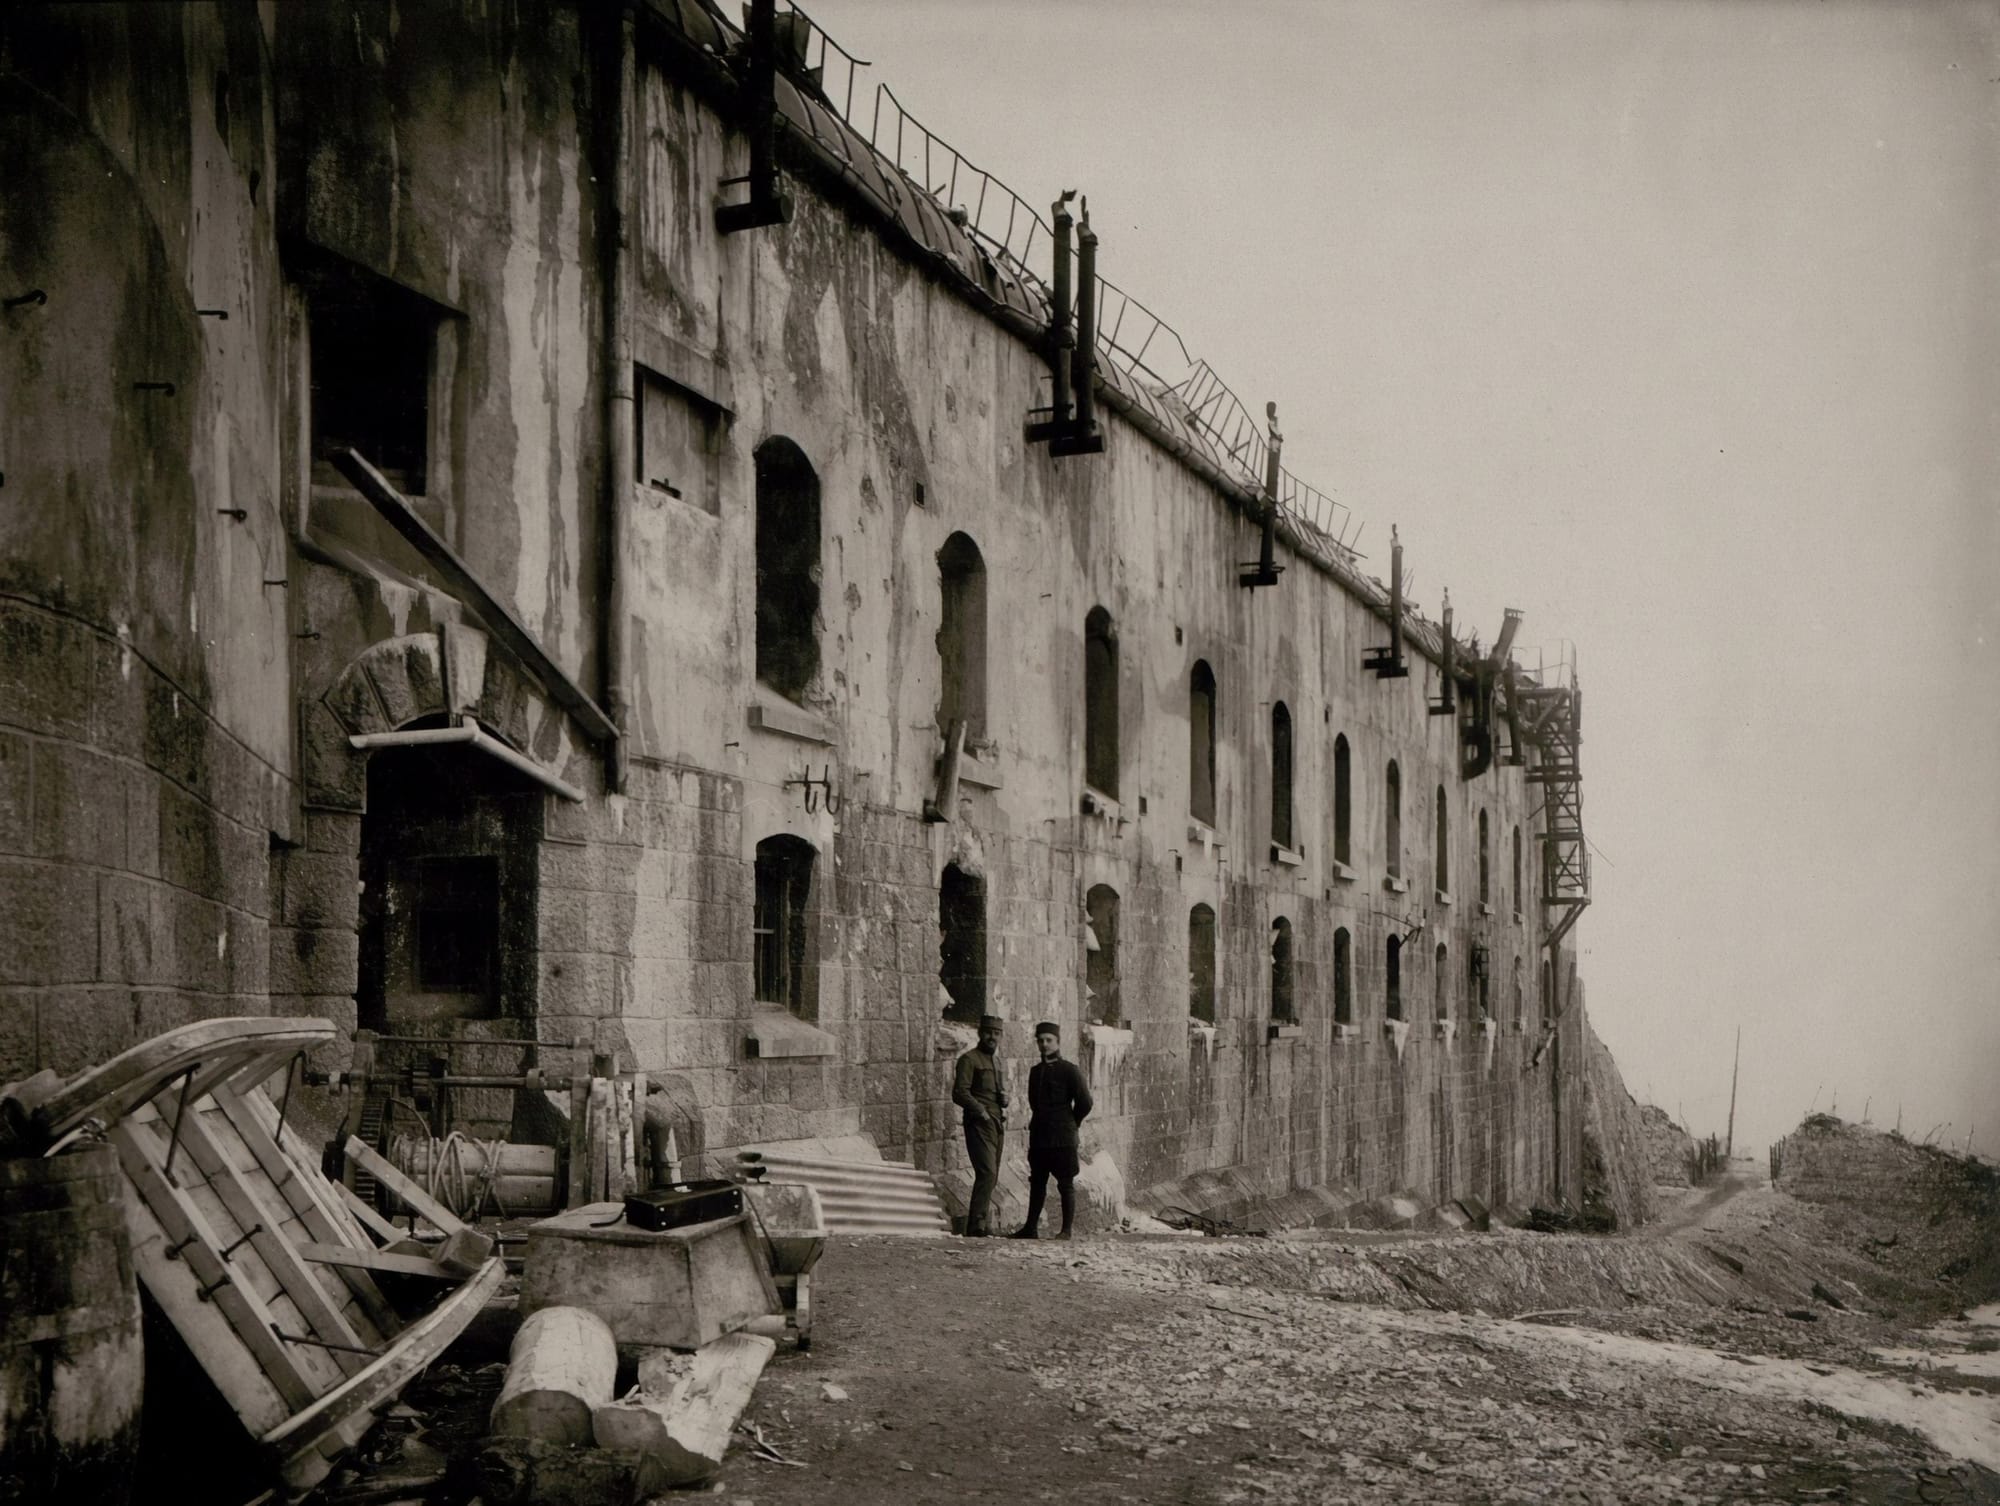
857	1197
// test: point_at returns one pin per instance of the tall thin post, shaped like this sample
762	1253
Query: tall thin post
1729	1149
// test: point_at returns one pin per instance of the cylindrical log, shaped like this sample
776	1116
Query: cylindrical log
560	1368
71	1358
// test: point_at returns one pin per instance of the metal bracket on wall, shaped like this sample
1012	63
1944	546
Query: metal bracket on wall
818	791
769	204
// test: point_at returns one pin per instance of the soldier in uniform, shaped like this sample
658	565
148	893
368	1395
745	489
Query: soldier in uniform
1058	1099
980	1090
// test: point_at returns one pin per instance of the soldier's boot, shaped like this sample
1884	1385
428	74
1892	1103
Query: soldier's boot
1038	1194
1067	1192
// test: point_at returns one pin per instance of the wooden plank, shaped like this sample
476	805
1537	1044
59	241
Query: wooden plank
295	1440
372	1221
304	1157
132	1077
200	1249
376	1260
404	1187
458	578
596	1153
264	1228
292	1183
641	1169
624	1182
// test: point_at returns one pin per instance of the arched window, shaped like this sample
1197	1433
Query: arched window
962	943
1517	870
1485	895
1343	978
1100	702
787	567
1284	1009
1201	964
1392	805
781	958
1100	971
1441	826
1343	803
1440	990
961	639
1393	978
1201	742
1281	775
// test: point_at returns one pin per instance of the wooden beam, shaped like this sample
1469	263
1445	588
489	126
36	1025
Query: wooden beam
292	1186
404	1187
459	579
376	1260
372	1221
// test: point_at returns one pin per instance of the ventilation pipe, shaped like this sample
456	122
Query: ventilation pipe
1079	435
1062	333
1510	624
768	205
1517	753
1447	702
621	409
1388	663
1265	571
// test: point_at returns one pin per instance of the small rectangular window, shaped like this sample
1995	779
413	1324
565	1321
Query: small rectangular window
371	377
679	447
780	954
457	924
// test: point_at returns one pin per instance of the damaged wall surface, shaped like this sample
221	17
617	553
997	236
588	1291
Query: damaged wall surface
831	546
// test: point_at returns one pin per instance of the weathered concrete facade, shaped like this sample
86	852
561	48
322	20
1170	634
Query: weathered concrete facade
200	617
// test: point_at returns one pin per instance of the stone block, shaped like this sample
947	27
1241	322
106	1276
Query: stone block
581	984
196	937
321	889
79	806
18	1051
333	831
142	821
190	845
334	775
249	953
132	931
47	668
245	866
81	1028
17	763
48	923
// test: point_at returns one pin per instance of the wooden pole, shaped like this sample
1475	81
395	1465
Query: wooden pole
1729	1149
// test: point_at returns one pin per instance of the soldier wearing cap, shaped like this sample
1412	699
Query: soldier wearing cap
1058	1099
981	1091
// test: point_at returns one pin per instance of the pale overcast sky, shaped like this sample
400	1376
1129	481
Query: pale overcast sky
1676	325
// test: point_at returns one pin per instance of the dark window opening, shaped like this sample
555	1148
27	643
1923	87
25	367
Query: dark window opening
1393	978
1392	796
1281	775
457	924
1201	964
1100	702
1485	897
1201	743
1284	1008
679	443
962	944
787	568
778	924
1440	989
1441	826
1478	980
961	639
1519	1006
1343	802
371	376
1101	958
1343	978
1545	1001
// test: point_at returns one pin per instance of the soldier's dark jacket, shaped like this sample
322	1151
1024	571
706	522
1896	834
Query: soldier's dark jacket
1059	1099
978	1081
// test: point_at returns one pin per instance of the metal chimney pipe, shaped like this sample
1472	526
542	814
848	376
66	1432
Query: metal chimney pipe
1449	702
1395	597
1084	361
1062	334
1510	623
1267	550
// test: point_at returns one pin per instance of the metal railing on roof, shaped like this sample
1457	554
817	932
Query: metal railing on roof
1131	337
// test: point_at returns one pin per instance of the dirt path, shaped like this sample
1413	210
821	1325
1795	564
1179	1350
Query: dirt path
1113	1371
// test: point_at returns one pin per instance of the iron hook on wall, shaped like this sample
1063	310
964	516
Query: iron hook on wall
819	791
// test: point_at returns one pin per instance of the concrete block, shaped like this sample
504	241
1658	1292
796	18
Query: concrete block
48	923
16	794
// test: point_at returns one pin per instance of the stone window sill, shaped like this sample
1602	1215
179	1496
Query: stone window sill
1395	885
1443	896
982	772
786	720
1341	873
1346	1032
1202	835
1484	908
776	1032
1281	1031
1517	917
1096	803
1285	856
